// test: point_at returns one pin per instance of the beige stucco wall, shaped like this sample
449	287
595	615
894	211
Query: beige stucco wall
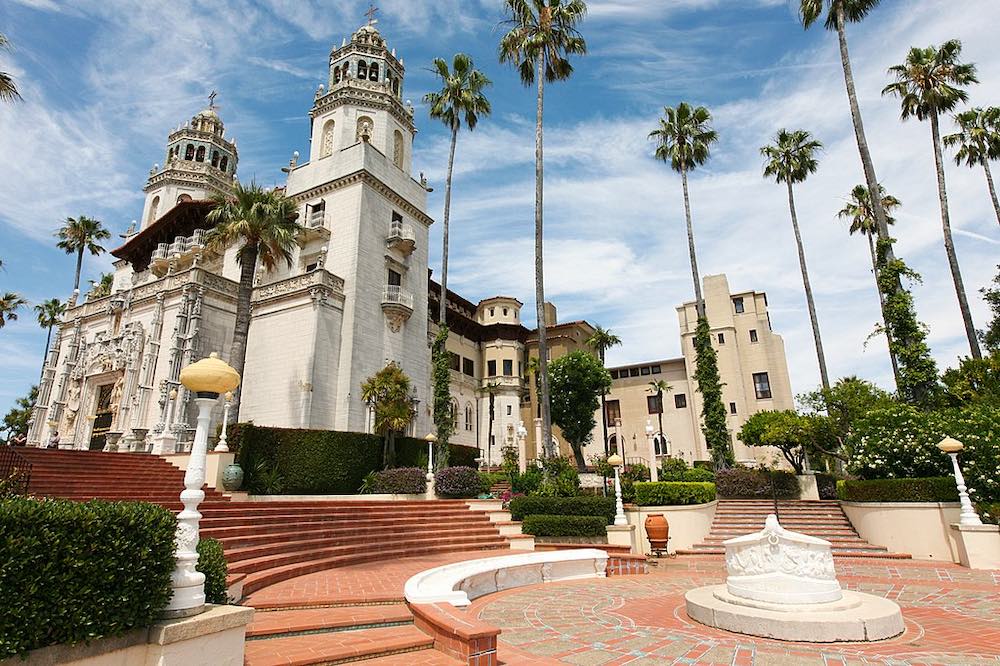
688	524
921	529
215	463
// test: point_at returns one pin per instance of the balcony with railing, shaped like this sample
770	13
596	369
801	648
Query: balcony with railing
401	237
314	225
182	252
397	304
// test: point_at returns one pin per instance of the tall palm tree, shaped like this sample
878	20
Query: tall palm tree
978	141
789	160
601	341
859	211
658	388
81	234
460	98
928	84
48	314
491	390
10	303
263	223
543	33
8	89
388	393
684	139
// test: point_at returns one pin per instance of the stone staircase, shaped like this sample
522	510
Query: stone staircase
820	518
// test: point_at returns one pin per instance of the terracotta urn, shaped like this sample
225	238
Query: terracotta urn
657	531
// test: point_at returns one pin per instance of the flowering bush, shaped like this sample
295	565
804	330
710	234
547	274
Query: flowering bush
901	442
508	495
401	481
458	482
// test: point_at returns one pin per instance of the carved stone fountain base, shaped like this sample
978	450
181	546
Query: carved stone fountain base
856	617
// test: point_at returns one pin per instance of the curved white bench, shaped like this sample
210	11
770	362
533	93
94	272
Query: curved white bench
460	582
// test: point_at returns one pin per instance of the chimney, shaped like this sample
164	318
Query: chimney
550	314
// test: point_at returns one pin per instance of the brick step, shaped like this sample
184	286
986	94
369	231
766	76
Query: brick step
337	647
165	499
720	518
754	513
250	518
238	509
268	624
358	507
234	538
218	529
864	554
418	658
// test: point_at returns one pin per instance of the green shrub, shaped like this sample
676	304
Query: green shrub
401	480
564	526
489	479
989	512
521	507
560	478
748	483
671	493
934	489
212	563
458	482
527	483
672	469
74	571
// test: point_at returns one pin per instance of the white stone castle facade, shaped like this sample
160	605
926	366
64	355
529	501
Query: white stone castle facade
355	297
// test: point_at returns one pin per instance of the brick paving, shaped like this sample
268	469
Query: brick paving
952	617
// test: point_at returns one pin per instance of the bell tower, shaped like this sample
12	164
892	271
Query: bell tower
200	161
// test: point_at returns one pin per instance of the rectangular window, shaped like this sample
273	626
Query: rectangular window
395	279
644	370
491	368
508	367
656	369
753	335
680	401
614	411
762	384
633	372
455	360
311	267
732	408
396	218
468	367
722	338
654	404
509	410
738	305
614	374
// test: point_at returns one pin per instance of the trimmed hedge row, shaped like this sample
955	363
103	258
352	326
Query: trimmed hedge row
748	483
212	563
293	461
933	489
604	507
673	493
401	481
77	571
564	526
458	482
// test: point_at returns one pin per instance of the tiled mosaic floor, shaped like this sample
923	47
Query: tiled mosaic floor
952	617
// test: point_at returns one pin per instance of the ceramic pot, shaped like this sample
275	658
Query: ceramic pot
657	531
232	477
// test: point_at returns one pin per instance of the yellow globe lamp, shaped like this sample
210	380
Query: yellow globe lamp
210	376
431	437
950	445
615	460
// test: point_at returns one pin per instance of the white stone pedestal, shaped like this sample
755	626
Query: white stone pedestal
622	535
978	545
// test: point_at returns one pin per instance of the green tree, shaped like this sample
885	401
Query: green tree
978	142
101	287
388	394
859	211
262	222
790	159
15	422
991	335
542	35
578	380
928	84
713	412
601	341
848	400
658	388
444	424
10	303
974	381
80	234
8	89
460	99
48	314
791	433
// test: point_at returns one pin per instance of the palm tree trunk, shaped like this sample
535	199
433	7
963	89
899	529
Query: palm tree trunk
824	377
443	304
79	265
659	417
949	244
699	302
543	344
604	426
238	350
993	190
45	356
881	306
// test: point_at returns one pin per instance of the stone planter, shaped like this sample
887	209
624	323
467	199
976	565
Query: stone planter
657	531
232	477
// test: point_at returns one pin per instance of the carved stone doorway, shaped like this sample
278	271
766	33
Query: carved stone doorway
103	417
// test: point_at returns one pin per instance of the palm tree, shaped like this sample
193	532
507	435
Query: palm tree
790	159
101	287
8	89
78	235
491	390
263	223
10	303
684	139
388	393
461	97
658	388
48	313
543	33
978	142
859	211
928	84
601	341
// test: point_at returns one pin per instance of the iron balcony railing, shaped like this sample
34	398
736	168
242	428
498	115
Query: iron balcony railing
15	470
317	218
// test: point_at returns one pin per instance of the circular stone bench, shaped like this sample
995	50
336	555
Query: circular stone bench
460	582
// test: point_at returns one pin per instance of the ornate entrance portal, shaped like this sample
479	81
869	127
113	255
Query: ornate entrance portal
103	416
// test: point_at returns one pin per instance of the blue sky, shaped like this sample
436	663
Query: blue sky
104	82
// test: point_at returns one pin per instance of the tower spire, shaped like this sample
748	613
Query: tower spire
372	11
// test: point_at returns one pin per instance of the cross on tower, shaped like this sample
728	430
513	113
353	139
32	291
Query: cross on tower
372	10
211	100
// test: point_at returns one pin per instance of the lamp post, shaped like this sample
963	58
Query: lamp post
206	379
616	462
222	446
522	453
654	472
431	440
968	515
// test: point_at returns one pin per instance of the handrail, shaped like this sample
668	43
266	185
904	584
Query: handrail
15	469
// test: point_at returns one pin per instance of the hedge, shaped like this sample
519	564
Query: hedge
564	526
522	507
77	571
671	493
748	483
212	563
826	486
401	480
458	482
932	489
292	461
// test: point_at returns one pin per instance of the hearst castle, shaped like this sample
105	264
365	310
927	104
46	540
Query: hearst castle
357	295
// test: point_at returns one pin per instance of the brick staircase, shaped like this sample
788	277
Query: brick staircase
820	518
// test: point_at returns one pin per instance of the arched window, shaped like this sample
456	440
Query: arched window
189	152
362	70
184	197
215	158
336	74
660	445
468	417
613	443
224	163
454	413
373	72
395	86
365	127
153	208
199	156
326	145
397	148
